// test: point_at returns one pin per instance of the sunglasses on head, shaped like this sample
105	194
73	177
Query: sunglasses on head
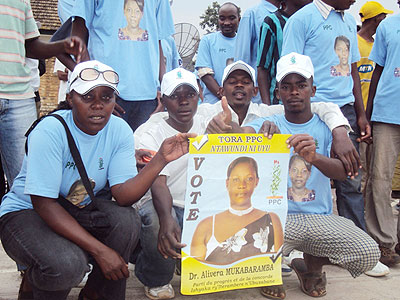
90	74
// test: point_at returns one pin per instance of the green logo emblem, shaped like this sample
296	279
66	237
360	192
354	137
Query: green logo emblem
293	59
101	164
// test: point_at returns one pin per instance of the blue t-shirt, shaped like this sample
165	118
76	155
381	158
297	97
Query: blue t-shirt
49	169
249	32
172	58
65	8
215	51
134	57
317	198
386	53
308	32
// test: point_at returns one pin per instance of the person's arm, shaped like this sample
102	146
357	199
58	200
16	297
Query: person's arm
58	219
212	85
363	124
264	84
376	75
304	145
342	146
278	231
133	189
198	247
36	48
169	235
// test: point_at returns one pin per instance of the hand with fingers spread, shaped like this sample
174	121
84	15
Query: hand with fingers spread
304	145
169	238
118	110
111	264
269	128
343	149
222	122
174	147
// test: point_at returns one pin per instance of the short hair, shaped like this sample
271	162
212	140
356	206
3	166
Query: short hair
140	3
344	40
233	4
298	157
239	160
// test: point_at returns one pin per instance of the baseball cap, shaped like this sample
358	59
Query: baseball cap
294	63
238	65
372	9
175	78
82	83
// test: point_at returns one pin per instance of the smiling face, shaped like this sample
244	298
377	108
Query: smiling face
241	184
132	13
299	173
342	51
181	106
239	89
228	20
92	111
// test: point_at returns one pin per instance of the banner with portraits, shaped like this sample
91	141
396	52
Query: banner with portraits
235	212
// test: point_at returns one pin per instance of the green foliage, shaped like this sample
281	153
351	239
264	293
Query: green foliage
210	18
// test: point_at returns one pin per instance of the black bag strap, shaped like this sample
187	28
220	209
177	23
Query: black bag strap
74	152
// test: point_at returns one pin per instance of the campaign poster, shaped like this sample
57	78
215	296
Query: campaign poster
235	212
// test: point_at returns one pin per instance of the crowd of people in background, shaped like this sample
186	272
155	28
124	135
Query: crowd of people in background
302	67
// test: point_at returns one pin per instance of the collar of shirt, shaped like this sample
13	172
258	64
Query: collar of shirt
326	9
272	8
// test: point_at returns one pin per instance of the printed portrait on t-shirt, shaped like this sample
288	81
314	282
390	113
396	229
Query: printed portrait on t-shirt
396	72
133	12
299	173
342	50
77	193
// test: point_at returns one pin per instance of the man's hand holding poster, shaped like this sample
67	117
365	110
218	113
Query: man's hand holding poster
235	212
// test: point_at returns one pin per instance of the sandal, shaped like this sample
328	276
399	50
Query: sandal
273	292
312	283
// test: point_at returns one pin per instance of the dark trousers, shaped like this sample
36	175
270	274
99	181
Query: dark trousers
349	198
55	264
137	112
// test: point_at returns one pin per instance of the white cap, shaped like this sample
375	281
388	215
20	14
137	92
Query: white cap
239	65
294	63
82	86
175	78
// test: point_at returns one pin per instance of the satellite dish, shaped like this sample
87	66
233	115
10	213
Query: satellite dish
187	39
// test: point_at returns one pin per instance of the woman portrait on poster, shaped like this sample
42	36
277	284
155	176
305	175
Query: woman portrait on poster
342	50
242	230
133	12
299	173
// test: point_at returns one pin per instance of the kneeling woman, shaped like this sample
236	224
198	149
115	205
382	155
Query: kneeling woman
37	232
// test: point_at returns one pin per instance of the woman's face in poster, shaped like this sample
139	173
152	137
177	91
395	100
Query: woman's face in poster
241	184
299	174
342	51
133	14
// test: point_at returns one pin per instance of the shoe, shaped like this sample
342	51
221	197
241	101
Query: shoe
286	270
395	194
389	257
292	255
378	271
160	292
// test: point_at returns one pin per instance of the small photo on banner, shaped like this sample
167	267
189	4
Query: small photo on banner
235	212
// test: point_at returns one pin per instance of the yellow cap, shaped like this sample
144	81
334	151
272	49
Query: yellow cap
372	9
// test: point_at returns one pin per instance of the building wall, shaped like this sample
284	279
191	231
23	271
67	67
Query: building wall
48	90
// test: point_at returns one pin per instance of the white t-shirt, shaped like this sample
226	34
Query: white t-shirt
150	136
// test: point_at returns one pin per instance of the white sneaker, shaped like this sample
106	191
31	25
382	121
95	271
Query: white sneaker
292	255
378	271
286	270
160	292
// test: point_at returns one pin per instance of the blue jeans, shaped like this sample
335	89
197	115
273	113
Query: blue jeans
349	198
55	264
137	112
16	116
152	269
